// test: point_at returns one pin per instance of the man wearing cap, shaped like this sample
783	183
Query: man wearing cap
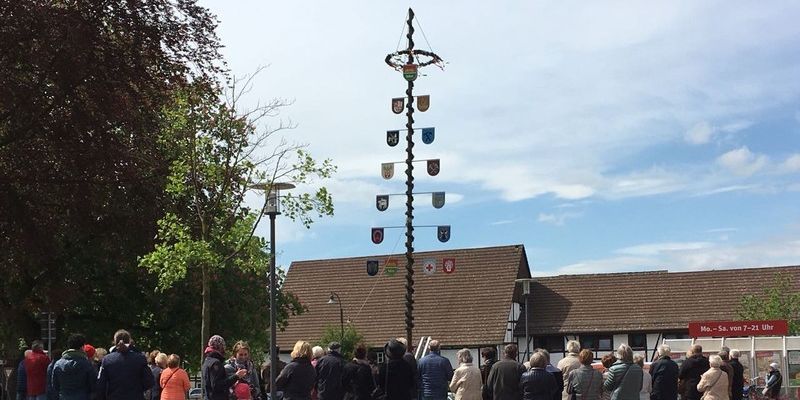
329	374
774	382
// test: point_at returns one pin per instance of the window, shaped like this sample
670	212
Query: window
676	336
597	342
553	344
637	341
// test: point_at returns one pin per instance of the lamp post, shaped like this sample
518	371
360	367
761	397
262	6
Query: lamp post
526	292
335	299
272	209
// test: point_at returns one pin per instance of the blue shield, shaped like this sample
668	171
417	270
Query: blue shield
443	233
428	134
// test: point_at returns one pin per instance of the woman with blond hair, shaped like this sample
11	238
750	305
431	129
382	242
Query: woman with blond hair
298	377
714	382
174	380
466	382
248	386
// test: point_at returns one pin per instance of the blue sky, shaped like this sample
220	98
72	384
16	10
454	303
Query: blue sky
604	136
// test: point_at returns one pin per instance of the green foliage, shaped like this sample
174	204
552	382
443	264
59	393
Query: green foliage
208	230
778	301
351	338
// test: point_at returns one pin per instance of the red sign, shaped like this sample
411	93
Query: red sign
738	328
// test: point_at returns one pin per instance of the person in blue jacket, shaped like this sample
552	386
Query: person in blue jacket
434	373
124	374
73	375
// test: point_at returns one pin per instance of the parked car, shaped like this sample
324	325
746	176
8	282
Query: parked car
196	394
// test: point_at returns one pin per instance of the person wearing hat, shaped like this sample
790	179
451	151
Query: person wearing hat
774	382
216	383
329	374
395	375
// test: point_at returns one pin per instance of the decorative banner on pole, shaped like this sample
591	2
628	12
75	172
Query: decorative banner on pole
437	199
433	167
448	265
387	170
423	102
382	202
429	266
428	134
410	72
398	104
391	267
372	267
392	138
442	233
377	235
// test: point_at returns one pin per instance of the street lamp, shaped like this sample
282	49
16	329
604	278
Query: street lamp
272	208
526	292
335	299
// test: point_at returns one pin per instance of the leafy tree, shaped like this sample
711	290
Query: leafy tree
351	339
219	153
82	171
778	301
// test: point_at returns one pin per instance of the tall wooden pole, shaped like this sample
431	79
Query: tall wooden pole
409	189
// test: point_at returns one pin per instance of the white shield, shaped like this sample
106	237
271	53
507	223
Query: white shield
429	266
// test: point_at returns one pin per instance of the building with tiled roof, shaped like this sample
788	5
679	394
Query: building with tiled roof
638	308
475	305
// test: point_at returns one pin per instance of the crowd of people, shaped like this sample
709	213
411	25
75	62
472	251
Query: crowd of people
124	372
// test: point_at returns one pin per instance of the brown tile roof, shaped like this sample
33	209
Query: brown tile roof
469	306
642	301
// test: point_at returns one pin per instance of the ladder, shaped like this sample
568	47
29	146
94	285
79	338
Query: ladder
422	348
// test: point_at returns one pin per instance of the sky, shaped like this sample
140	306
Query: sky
603	136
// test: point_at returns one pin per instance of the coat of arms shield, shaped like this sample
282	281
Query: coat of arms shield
438	199
428	134
423	103
398	104
372	267
377	235
382	202
433	167
443	233
392	138
387	170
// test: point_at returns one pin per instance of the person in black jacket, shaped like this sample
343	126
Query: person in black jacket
412	361
665	376
538	384
690	372
357	378
216	382
737	379
395	376
298	377
124	374
329	374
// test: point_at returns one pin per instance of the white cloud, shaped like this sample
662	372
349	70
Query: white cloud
557	219
693	256
700	133
736	126
742	161
502	222
792	164
652	249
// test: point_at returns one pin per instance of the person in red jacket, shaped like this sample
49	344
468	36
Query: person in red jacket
36	369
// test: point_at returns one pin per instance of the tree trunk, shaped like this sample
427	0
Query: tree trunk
205	324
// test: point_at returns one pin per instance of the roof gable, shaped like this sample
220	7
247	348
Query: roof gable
469	306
